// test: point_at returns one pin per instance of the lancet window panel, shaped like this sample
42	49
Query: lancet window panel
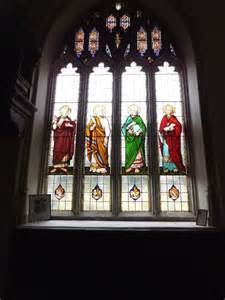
134	119
172	141
99	121
63	127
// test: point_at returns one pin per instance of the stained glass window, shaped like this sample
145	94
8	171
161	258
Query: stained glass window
172	148
93	42
63	138
79	42
142	41
156	41
111	23
134	139
126	153
98	140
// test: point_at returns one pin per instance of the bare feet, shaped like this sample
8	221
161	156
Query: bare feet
102	170
165	171
175	170
64	170
137	171
128	170
53	170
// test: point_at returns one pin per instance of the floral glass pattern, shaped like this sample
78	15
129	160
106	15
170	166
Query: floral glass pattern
156	40
142	41
79	42
111	23
125	22
93	42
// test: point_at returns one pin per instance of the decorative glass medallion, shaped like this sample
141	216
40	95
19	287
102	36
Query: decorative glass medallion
135	193
174	193
111	22
125	22
156	40
97	193
79	42
108	51
59	192
93	42
127	51
142	41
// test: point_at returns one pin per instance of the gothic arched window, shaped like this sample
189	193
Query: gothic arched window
118	121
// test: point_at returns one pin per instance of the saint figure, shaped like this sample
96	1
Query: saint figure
134	131
169	138
97	139
63	136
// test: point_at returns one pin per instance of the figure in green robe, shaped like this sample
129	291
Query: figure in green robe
134	131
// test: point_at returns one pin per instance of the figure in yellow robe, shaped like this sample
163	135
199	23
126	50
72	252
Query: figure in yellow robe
97	138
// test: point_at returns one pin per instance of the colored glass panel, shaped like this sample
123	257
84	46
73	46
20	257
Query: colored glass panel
174	193
63	138
98	138
79	42
93	42
172	148
92	201
111	23
133	134
134	193
156	40
125	22
61	201
142	41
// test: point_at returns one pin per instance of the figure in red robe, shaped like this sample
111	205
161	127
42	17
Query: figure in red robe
170	141
63	137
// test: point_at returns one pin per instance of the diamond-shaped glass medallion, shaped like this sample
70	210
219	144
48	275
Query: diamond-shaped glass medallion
135	193
97	192
174	193
59	192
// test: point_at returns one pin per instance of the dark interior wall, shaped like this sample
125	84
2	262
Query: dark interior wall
24	25
206	23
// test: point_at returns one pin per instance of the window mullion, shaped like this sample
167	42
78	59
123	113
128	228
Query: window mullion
153	145
116	145
80	145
